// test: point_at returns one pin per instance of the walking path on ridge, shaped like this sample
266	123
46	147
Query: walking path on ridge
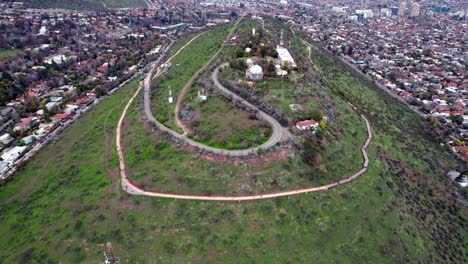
132	188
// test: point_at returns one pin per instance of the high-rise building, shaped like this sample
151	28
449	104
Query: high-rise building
415	10
442	9
365	12
401	9
386	11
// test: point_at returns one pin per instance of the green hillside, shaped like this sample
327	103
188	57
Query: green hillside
67	202
85	4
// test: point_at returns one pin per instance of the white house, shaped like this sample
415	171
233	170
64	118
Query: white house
285	57
10	155
6	139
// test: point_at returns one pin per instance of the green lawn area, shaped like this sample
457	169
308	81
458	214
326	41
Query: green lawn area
67	4
72	210
153	161
184	65
407	159
222	125
10	54
401	211
85	5
125	3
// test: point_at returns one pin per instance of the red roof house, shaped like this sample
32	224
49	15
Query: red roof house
60	117
308	124
461	149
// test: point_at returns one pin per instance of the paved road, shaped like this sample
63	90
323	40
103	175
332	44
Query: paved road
277	130
130	187
180	97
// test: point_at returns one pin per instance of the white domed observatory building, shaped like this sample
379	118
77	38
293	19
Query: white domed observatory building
254	73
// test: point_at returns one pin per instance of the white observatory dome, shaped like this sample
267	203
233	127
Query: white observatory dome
256	70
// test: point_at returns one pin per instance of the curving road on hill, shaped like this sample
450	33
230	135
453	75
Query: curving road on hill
180	97
277	130
132	188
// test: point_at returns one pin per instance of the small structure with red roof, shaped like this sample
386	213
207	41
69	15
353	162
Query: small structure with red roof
463	149
307	124
60	117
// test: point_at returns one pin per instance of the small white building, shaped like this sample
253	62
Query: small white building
202	97
43	30
57	59
71	108
51	105
6	139
249	63
170	99
12	154
285	57
256	73
3	167
28	140
279	71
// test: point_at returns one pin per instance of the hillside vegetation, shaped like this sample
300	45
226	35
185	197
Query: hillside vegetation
412	165
95	5
67	202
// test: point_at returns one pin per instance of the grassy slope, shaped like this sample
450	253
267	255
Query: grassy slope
189	60
125	3
412	165
57	218
65	217
85	4
177	171
61	184
223	125
10	54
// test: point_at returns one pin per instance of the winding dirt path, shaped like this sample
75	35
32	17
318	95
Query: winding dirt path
180	97
112	173
132	188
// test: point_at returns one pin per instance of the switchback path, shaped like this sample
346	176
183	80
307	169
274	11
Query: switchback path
180	97
130	187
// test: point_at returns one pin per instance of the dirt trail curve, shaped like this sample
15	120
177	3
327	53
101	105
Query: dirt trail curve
187	86
277	130
132	188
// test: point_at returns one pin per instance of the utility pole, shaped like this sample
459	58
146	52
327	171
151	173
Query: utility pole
112	259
